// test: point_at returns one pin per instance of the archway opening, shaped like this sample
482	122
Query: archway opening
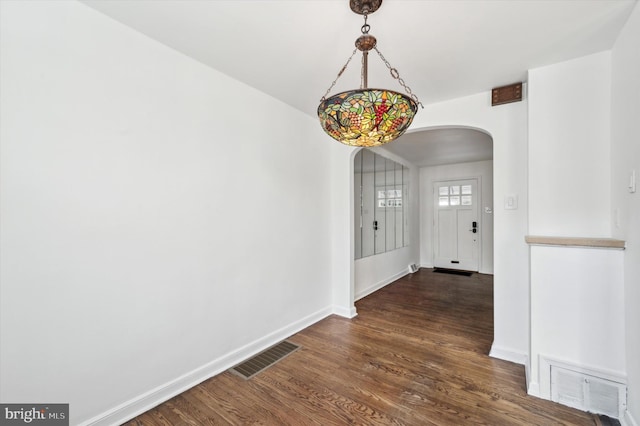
435	154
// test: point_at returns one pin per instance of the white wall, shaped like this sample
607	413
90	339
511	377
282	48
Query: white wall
577	315
153	213
576	294
429	175
625	156
374	272
569	150
341	229
507	125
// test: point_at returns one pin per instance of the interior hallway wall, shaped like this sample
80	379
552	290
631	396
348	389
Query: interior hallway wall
625	208
569	148
152	223
577	308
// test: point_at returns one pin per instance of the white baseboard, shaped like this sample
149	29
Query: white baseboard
345	312
508	355
377	286
628	420
144	402
527	371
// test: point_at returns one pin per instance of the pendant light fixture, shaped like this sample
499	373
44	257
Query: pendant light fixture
367	117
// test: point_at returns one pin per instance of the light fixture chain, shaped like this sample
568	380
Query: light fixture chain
339	75
396	75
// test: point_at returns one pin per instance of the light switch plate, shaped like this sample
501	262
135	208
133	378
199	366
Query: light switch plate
511	202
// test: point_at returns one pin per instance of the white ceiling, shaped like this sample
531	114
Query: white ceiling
443	146
443	49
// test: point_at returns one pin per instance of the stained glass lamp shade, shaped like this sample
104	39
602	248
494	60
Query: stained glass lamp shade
366	117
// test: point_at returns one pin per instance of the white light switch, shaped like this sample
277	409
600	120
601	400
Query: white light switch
511	202
632	182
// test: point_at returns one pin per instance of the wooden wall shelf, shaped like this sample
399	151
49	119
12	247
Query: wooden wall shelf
610	243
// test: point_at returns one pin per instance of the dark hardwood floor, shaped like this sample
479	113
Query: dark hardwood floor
416	354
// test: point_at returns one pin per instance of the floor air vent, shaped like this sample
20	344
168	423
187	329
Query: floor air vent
587	393
263	360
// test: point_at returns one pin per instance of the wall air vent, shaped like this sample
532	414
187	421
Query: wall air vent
263	360
506	94
588	393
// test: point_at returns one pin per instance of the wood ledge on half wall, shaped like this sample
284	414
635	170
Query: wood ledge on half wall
607	243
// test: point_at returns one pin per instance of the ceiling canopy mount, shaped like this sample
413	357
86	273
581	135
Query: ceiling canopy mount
364	7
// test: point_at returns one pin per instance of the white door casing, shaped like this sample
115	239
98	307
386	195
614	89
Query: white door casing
456	210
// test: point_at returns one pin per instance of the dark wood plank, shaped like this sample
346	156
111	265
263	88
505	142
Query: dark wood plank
415	354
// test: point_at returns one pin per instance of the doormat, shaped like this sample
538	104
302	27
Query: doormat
453	272
603	420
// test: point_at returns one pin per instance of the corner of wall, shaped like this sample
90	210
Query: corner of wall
508	355
628	420
346	312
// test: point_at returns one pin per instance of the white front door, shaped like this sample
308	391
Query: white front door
456	226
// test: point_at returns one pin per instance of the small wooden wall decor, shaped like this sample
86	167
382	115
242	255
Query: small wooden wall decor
506	94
